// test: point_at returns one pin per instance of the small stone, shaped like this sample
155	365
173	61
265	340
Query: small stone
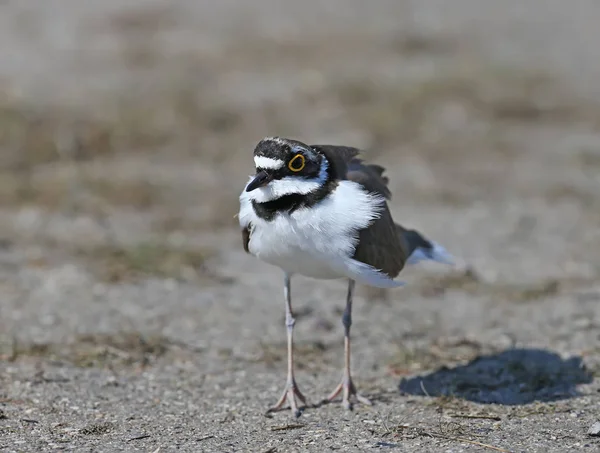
594	430
386	444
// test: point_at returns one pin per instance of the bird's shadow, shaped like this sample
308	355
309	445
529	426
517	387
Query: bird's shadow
511	377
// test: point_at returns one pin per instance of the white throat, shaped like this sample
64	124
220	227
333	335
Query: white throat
289	185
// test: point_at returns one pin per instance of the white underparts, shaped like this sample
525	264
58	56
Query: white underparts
268	163
316	241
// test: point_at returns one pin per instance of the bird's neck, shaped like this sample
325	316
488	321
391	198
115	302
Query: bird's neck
267	210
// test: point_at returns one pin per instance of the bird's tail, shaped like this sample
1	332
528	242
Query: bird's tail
421	249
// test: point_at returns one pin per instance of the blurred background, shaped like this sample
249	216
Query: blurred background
126	136
141	119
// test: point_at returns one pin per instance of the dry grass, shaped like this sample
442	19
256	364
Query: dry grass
31	136
85	192
470	282
446	431
307	355
588	159
123	349
118	263
404	112
45	152
184	119
566	192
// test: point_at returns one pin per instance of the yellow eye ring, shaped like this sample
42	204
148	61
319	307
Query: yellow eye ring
293	164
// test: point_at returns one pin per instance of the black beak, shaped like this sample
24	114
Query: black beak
261	179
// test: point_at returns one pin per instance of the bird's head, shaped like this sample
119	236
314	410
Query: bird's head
286	167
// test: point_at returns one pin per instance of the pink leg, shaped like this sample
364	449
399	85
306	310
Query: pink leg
346	386
291	391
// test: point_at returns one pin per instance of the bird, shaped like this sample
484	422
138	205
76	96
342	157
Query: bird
321	212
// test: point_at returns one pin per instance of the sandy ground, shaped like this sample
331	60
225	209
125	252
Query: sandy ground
132	320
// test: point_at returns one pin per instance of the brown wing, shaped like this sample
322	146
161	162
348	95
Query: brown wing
246	237
370	177
380	244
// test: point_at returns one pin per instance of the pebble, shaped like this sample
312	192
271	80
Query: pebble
594	430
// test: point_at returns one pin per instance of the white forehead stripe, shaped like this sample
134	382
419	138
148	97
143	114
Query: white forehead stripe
268	163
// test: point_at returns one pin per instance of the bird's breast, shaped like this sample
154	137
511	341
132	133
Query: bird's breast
313	241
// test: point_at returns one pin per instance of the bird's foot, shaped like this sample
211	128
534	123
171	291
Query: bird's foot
290	393
349	393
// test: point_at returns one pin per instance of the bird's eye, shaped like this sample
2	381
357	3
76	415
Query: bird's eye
297	163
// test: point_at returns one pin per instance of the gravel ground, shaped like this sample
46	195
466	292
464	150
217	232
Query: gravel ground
132	320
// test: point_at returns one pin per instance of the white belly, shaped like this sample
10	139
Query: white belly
319	241
303	257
